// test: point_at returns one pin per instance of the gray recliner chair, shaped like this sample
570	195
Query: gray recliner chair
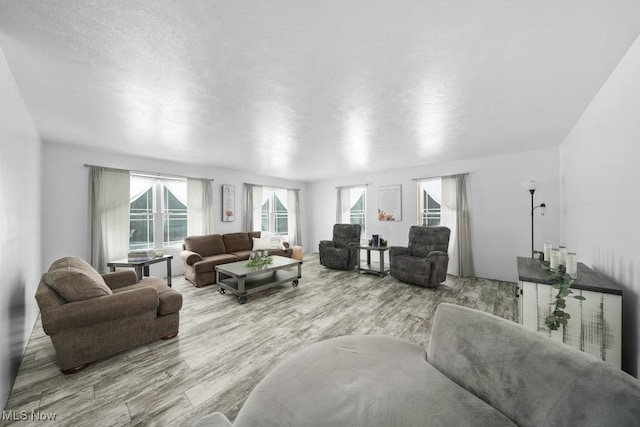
341	253
425	260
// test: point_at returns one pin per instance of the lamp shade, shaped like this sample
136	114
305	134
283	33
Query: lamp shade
529	185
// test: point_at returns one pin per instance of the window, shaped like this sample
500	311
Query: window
429	201
358	208
275	215
352	207
157	213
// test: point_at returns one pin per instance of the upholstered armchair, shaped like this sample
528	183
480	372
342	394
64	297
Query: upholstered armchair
341	253
90	316
424	261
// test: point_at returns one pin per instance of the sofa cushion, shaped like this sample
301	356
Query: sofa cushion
75	280
260	244
532	379
169	300
208	264
211	244
236	242
362	381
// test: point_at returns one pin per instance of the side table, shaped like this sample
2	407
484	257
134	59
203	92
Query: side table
142	267
373	267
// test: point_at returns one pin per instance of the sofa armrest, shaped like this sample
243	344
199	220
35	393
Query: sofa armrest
120	279
326	244
398	250
435	255
99	310
190	257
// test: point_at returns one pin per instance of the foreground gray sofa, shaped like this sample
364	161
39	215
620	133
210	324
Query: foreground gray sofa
479	370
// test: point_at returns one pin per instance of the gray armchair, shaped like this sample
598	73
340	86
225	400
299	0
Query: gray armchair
341	253
424	262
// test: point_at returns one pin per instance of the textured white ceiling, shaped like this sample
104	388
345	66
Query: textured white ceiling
312	89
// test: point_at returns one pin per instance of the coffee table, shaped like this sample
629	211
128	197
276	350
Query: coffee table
243	280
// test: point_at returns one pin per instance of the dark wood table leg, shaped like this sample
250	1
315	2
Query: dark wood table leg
169	272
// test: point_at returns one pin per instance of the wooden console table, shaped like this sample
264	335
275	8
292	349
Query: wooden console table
595	326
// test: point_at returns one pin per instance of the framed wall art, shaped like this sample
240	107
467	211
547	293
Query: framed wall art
228	203
390	203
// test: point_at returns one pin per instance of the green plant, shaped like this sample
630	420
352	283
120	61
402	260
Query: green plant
260	261
562	282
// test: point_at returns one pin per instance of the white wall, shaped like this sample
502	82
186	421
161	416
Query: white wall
500	207
65	219
19	227
600	172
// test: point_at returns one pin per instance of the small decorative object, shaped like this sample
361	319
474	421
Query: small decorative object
159	253
572	265
374	240
390	203
228	203
382	242
563	255
554	260
257	260
547	251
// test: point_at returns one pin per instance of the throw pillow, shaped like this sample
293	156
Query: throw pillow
275	242
260	244
75	280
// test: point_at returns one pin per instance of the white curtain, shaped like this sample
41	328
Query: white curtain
252	207
140	184
455	215
293	225
178	188
109	195
343	205
199	207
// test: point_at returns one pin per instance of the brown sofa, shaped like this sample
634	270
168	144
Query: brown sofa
201	254
89	316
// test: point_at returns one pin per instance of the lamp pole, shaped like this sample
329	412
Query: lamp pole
531	186
533	190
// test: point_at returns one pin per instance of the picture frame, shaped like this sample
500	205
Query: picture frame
390	203
228	203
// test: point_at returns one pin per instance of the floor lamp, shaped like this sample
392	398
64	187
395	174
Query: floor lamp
540	209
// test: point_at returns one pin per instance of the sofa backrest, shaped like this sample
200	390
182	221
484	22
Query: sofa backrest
74	279
424	240
530	378
344	234
236	242
208	245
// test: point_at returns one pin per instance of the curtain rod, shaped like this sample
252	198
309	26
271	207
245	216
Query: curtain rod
272	186
438	176
352	186
153	174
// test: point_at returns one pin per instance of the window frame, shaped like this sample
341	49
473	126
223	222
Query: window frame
160	217
424	216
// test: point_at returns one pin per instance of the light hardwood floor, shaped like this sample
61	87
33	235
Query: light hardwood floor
224	348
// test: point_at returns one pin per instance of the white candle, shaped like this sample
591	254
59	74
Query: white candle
572	265
563	255
554	260
547	251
